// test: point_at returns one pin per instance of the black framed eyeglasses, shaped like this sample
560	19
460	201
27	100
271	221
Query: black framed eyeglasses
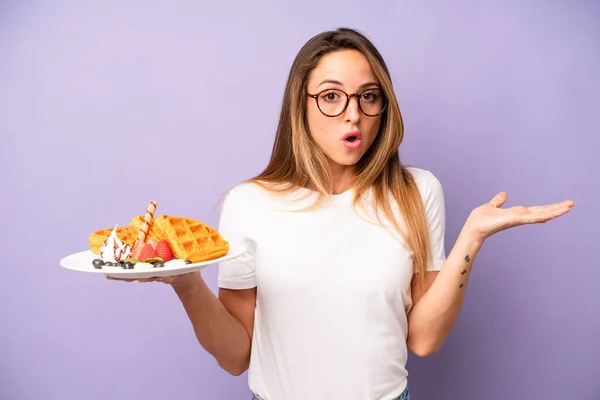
333	102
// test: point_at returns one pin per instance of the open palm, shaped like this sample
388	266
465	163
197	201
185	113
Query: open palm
489	218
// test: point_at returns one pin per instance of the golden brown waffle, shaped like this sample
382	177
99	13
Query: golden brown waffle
97	238
191	239
188	238
154	232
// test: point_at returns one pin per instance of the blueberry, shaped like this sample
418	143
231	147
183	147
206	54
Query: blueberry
120	264
188	261
98	263
109	264
128	265
159	264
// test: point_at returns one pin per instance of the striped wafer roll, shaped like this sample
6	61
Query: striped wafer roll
147	219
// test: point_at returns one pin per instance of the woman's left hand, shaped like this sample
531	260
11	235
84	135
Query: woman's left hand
489	218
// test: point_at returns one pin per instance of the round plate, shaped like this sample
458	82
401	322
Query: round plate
82	262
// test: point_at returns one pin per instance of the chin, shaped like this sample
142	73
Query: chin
347	160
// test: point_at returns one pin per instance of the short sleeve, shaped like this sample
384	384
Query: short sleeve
237	273
435	210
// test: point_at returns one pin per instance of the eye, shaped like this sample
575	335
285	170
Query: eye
370	96
330	96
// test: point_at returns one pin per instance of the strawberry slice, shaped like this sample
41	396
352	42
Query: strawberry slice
147	252
163	250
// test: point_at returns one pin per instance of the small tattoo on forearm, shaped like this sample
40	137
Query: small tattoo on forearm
464	271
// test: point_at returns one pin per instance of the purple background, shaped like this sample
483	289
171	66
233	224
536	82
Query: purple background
105	106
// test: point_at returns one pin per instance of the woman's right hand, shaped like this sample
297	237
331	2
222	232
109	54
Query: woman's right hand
177	281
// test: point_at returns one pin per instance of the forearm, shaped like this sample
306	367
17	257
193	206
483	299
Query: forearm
219	332
434	315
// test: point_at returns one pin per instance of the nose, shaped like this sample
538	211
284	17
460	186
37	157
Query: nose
353	111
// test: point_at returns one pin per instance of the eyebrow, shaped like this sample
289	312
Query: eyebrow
364	85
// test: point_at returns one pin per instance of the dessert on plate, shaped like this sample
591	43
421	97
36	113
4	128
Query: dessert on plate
150	242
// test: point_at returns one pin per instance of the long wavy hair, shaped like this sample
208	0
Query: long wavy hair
297	162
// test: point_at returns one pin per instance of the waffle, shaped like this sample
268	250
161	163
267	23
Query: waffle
188	238
191	239
154	232
124	233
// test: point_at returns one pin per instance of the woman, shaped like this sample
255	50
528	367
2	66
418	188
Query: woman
345	269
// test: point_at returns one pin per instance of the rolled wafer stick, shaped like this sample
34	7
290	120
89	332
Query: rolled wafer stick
146	225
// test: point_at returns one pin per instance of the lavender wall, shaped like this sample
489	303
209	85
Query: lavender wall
105	106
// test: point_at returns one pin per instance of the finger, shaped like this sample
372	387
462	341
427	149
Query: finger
551	207
544	216
568	203
554	210
499	199
546	208
119	279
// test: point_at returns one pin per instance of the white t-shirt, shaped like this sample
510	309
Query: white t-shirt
333	292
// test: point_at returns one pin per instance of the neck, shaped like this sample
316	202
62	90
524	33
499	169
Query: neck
342	177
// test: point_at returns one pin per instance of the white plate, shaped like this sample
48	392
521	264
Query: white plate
82	262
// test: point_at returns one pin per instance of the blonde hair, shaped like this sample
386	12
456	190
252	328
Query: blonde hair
297	162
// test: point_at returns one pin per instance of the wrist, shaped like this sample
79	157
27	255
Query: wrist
471	235
187	283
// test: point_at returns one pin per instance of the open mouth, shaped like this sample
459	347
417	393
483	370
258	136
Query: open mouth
352	140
